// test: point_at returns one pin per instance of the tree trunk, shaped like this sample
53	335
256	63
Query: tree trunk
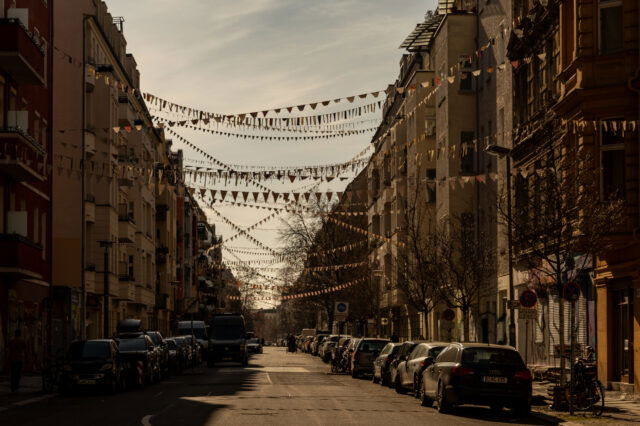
561	340
427	333
465	325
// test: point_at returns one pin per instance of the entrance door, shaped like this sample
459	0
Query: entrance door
623	329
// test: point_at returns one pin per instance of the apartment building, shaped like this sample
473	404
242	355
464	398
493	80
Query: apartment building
25	175
104	234
597	63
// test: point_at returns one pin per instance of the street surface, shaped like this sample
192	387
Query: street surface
276	389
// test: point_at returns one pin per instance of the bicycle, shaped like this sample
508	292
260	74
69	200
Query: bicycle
52	376
588	392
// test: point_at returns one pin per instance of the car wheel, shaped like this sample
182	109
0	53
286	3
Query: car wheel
443	404
425	401
384	379
398	385
523	408
417	388
375	379
354	374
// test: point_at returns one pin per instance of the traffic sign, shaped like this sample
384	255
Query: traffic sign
571	291
341	311
448	315
528	299
527	314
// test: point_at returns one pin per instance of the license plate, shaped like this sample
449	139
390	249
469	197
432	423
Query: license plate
86	382
494	379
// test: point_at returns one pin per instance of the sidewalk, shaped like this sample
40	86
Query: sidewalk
30	391
620	408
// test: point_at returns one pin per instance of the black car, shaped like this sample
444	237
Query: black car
163	351
480	374
94	363
227	340
403	354
409	372
176	355
254	346
140	358
382	364
364	354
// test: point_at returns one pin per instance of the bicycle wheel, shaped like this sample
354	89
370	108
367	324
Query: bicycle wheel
597	398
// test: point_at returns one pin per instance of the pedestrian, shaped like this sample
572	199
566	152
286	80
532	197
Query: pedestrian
395	338
17	353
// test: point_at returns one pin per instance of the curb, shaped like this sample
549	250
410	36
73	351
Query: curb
28	401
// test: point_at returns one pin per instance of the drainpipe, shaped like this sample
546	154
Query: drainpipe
83	284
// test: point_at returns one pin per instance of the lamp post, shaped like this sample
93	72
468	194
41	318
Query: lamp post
106	244
501	151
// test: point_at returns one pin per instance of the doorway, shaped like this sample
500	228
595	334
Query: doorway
623	333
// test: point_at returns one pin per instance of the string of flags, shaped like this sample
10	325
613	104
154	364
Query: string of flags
333	267
308	293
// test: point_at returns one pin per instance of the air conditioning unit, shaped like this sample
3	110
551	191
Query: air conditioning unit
18	119
21	14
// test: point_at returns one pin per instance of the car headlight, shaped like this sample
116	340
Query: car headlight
106	367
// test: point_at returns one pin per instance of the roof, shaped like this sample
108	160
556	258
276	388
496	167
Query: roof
483	345
422	36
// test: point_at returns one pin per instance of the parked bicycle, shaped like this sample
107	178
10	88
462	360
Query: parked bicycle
588	392
52	375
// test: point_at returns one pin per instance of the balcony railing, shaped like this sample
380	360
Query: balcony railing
21	257
22	54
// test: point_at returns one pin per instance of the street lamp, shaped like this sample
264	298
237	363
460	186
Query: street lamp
106	244
501	151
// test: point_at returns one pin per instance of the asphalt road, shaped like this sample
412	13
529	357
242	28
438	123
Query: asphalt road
276	389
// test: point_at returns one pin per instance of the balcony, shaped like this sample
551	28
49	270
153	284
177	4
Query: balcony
89	208
23	157
89	142
21	55
126	229
20	257
126	291
90	78
126	117
145	296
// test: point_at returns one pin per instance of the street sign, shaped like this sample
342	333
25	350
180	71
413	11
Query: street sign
527	314
571	291
515	304
341	311
448	315
528	299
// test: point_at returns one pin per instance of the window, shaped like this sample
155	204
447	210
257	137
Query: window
467	152
612	163
466	79
431	186
611	26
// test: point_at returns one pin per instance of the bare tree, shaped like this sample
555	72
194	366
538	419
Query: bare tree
467	264
559	218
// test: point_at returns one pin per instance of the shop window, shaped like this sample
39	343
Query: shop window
610	25
612	163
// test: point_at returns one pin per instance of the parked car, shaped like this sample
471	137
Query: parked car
348	353
403	353
163	351
480	374
94	363
185	351
140	359
195	328
196	350
382	364
176	360
365	352
254	346
317	341
409	372
341	346
327	346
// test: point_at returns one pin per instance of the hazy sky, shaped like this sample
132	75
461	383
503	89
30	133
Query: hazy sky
232	56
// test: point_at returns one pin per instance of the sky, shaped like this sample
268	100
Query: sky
234	56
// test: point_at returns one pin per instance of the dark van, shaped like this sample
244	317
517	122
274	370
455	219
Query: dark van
227	340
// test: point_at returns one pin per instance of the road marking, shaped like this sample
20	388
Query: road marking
146	420
268	378
158	394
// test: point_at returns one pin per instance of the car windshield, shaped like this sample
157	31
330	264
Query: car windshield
372	345
89	350
491	357
434	352
228	333
334	338
198	332
156	338
254	341
132	345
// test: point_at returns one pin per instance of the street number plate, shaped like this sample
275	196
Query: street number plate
494	379
86	382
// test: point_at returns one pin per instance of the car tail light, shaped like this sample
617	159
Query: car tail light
462	371
523	375
422	364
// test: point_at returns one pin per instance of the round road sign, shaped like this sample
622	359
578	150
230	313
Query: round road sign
448	315
571	291
341	307
528	299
